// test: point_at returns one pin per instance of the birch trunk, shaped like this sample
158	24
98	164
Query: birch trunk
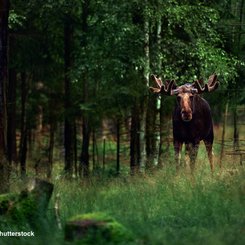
142	138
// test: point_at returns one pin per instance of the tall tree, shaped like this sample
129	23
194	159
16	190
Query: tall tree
11	112
86	128
239	14
24	125
146	72
153	110
69	118
134	140
4	166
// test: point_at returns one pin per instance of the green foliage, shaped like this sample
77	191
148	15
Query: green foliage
108	55
15	20
192	45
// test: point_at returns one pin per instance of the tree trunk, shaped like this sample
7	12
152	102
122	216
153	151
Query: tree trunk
161	130
150	130
23	127
144	102
51	150
4	165
75	149
223	134
238	51
118	146
153	112
38	133
84	159
134	140
235	129
94	150
104	151
11	123
86	132
52	124
157	135
69	118
156	149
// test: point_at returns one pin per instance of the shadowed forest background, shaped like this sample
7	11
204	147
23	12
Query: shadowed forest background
75	77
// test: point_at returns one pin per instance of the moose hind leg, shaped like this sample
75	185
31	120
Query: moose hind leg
209	148
177	150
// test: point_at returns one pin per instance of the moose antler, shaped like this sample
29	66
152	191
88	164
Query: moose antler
212	84
159	84
162	88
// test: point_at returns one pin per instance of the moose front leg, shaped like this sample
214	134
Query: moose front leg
187	154
193	156
177	150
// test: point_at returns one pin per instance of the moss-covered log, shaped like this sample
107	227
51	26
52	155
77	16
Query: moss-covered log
6	202
30	205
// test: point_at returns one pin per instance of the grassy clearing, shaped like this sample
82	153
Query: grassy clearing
159	207
163	208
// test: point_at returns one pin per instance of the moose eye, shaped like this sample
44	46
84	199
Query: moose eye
178	99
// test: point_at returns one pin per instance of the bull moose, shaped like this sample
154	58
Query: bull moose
191	118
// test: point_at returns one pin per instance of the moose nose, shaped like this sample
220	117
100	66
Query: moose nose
186	115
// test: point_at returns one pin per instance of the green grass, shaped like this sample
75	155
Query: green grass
159	207
163	208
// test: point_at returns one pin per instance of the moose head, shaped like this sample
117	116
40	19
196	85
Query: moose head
185	93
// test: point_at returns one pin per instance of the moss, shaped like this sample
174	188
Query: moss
98	216
6	202
27	208
96	228
20	208
8	196
24	210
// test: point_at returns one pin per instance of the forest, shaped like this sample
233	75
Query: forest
76	111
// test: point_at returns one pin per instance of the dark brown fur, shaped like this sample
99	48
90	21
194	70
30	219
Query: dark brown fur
191	132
